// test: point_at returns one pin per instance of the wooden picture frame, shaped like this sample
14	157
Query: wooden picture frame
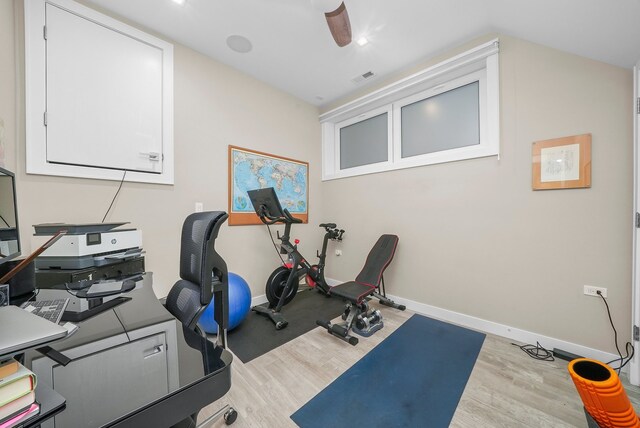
251	169
562	163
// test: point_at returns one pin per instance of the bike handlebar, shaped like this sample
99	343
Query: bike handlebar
291	218
335	234
286	218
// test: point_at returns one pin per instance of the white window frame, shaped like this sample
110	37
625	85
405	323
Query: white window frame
35	94
460	153
373	167
479	64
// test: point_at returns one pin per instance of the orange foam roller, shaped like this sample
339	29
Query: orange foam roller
602	394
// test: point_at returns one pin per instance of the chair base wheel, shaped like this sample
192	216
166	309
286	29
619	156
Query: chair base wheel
230	416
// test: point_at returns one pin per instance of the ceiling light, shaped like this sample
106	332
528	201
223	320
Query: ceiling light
180	2
362	41
239	44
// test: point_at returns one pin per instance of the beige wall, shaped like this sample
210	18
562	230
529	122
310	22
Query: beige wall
7	85
214	106
474	237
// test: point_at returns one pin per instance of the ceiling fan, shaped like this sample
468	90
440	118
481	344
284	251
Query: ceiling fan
337	18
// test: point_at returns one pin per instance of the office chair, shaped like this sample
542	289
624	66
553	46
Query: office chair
203	272
203	275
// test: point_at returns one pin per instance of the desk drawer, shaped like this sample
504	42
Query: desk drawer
102	386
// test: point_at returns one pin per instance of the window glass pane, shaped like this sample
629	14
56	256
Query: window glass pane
446	121
364	143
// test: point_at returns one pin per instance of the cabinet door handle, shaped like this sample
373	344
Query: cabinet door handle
152	156
155	351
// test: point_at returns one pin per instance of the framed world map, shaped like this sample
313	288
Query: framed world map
250	169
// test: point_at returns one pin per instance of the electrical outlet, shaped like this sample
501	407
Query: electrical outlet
590	290
199	207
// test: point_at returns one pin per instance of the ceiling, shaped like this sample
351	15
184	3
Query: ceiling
293	49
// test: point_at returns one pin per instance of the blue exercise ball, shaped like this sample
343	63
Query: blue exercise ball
239	305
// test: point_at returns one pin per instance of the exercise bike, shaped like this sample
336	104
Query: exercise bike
282	284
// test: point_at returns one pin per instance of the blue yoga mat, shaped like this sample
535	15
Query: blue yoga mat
414	378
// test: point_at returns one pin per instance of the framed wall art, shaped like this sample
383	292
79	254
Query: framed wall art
562	163
250	169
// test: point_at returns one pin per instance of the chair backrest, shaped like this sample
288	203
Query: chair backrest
378	259
201	270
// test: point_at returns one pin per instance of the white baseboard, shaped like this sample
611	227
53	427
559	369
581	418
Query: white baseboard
258	300
512	333
333	282
485	326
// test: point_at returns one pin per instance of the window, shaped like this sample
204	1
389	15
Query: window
441	122
445	113
99	96
363	141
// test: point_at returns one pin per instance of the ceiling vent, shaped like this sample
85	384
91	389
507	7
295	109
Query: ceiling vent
362	77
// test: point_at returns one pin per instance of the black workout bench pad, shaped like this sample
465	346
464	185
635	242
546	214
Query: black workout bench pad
358	317
369	278
352	291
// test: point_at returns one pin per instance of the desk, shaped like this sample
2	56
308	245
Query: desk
133	365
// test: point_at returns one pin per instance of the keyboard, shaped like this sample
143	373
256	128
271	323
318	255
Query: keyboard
51	310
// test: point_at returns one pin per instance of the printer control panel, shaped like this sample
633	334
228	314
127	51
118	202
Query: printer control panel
94	239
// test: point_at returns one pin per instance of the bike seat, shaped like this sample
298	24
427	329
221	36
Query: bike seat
329	225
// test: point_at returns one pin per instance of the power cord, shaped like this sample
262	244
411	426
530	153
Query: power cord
123	327
274	244
34	294
537	352
621	361
629	349
114	196
70	290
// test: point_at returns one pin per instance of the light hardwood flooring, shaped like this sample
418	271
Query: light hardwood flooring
507	388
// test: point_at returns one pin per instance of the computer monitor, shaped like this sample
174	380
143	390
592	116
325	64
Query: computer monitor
9	232
265	202
10	241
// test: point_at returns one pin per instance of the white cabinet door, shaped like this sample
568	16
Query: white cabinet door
98	96
98	387
104	96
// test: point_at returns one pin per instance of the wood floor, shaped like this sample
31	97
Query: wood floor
507	388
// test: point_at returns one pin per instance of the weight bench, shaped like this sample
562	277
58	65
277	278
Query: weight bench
357	315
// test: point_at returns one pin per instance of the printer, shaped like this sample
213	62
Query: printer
86	245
